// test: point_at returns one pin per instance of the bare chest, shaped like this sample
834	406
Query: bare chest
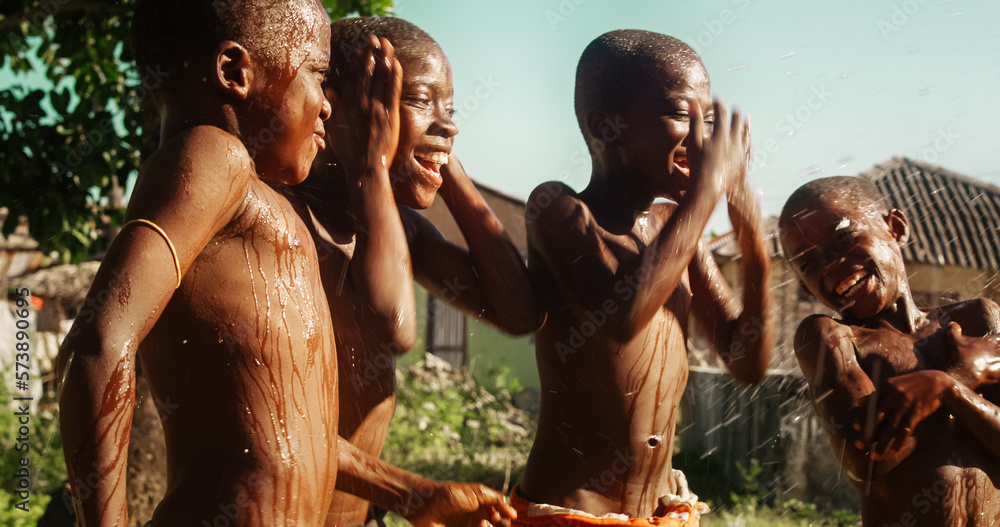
902	352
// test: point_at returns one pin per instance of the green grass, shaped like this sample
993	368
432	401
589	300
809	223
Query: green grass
45	457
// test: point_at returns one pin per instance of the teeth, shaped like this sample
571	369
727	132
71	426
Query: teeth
850	282
438	158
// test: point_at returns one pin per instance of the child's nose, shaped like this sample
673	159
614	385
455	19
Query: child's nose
444	123
326	111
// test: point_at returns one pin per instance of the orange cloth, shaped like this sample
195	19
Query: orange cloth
692	511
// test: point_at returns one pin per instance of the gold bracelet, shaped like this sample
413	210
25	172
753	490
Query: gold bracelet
173	251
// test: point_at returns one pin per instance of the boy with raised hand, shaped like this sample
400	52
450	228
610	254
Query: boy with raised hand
214	282
895	384
367	245
619	274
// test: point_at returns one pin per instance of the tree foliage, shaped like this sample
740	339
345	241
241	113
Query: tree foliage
72	123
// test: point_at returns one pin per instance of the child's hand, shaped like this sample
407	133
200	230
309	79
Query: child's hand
899	405
365	128
720	161
975	361
462	505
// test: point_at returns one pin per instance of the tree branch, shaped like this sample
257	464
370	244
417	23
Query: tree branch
11	21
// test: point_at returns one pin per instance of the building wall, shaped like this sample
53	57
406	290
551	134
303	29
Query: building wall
487	348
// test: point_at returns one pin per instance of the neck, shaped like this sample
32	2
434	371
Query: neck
176	117
326	190
615	198
904	315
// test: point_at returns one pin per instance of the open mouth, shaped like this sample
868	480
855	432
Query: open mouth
851	283
432	161
681	165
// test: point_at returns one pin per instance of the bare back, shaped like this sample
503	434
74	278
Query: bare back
244	355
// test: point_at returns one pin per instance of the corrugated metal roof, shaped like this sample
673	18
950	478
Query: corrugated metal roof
954	219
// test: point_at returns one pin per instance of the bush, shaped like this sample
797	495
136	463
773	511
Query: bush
449	427
46	465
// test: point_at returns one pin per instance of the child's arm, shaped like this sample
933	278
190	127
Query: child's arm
423	502
740	331
908	399
190	201
365	132
631	291
490	280
839	389
904	402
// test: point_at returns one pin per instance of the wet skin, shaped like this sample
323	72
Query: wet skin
366	246
242	353
907	397
618	277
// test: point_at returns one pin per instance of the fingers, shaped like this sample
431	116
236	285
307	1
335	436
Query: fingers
381	68
721	126
507	511
394	87
954	331
696	132
736	132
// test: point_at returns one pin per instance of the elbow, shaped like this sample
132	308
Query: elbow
521	322
747	367
397	338
748	376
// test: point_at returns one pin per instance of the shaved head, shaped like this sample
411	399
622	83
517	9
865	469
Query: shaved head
178	35
350	34
618	64
860	191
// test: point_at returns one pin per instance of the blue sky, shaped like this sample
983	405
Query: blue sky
832	87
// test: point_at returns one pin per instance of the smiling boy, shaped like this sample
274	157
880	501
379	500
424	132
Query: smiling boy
360	202
894	383
214	282
612	356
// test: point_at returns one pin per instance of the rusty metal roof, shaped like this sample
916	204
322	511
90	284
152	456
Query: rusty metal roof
954	219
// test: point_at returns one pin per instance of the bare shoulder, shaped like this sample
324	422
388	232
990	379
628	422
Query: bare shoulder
417	227
200	177
978	316
555	206
819	331
204	157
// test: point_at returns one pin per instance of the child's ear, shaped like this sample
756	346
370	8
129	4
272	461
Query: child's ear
233	71
603	128
898	225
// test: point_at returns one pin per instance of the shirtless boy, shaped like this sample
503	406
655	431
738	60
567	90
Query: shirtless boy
367	244
619	274
894	383
214	281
